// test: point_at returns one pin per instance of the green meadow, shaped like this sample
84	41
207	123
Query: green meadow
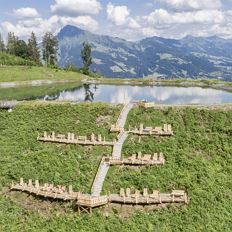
198	160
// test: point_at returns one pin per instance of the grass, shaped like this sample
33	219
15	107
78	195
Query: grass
7	59
23	156
198	160
30	73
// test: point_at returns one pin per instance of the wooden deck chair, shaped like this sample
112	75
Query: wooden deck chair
37	184
21	182
146	158
161	157
136	195
148	129
45	187
165	127
70	189
178	193
122	192
155	157
99	138
128	192
145	192
132	158
158	129
139	157
155	194
45	135
30	183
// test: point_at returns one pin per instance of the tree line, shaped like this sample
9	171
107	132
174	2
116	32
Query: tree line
48	53
30	50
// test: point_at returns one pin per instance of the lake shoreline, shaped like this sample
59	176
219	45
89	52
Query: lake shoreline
214	84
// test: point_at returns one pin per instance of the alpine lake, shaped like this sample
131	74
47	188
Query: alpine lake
111	93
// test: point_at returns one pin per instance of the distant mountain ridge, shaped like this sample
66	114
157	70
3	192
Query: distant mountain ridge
190	57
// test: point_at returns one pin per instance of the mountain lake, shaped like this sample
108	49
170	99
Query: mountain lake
117	94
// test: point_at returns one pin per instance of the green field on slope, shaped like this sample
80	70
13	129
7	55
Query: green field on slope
198	160
30	73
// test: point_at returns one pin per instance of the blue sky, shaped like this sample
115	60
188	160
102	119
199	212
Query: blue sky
131	19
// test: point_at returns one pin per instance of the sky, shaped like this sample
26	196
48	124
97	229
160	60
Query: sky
131	19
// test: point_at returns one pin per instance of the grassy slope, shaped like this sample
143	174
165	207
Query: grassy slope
7	59
23	155
198	160
25	73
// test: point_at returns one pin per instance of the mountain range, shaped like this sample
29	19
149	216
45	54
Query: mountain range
190	57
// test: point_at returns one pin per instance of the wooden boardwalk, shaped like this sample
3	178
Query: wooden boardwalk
117	149
124	113
46	190
87	202
157	131
103	169
138	160
129	196
84	202
100	178
71	138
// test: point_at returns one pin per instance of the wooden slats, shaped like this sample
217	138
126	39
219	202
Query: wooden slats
71	138
176	196
138	159
159	131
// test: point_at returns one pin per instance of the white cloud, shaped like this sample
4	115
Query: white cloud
76	7
163	17
117	14
26	12
132	23
192	4
85	22
23	28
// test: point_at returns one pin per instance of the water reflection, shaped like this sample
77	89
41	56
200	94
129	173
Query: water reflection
158	94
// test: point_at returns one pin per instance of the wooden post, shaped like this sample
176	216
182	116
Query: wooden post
93	138
70	189
36	184
141	128
21	182
30	183
53	135
69	137
45	135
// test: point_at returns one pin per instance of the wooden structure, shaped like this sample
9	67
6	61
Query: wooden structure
46	190
155	197
119	125
87	202
116	128
138	159
84	202
146	104
157	131
71	138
